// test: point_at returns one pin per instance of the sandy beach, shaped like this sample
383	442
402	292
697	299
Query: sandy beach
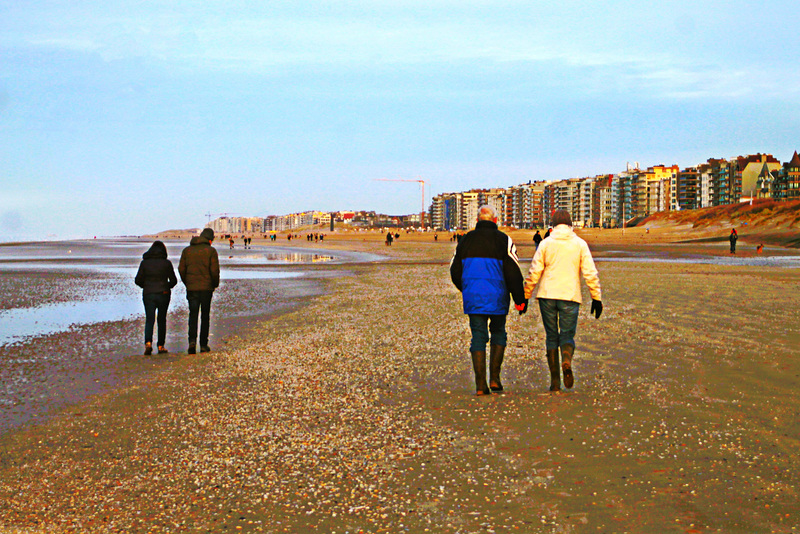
356	413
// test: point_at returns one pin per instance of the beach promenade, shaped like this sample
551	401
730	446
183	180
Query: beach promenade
356	413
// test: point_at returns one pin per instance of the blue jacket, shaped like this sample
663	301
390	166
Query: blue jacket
485	269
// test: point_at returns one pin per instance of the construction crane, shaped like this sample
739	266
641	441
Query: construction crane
421	183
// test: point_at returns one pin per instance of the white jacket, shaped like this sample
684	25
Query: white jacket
557	265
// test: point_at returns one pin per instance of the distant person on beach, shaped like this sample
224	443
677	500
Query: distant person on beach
537	238
556	268
156	277
759	249
485	269
733	238
389	238
199	270
547	234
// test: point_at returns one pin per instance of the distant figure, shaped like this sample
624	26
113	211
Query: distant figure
732	238
537	238
199	270
389	239
230	240
759	249
547	234
556	268
485	269
156	277
436	237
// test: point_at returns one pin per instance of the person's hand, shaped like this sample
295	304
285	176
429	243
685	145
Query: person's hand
523	307
597	308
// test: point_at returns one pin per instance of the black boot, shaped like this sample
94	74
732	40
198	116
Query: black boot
479	365
566	364
496	353
555	371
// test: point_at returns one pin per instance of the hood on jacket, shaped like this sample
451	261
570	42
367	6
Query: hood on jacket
562	231
157	250
199	240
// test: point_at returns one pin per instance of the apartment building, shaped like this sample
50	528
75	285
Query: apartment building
604	202
496	199
788	181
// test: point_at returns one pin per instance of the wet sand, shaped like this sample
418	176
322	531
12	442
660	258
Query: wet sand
357	413
71	319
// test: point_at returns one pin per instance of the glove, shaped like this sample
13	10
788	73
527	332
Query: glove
523	307
597	309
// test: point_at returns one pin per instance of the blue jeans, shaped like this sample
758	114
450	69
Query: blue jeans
155	302
199	303
560	318
480	332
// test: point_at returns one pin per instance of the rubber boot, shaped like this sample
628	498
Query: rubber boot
496	353
479	365
555	371
566	364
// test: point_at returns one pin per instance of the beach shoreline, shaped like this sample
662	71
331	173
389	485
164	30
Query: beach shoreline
357	413
72	320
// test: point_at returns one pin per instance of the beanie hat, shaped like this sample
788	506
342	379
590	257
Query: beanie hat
562	217
208	233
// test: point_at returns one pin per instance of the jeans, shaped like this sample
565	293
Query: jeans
199	302
480	333
560	318
155	302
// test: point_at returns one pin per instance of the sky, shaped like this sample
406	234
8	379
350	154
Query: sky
127	117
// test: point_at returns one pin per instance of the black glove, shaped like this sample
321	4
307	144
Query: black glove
597	308
522	307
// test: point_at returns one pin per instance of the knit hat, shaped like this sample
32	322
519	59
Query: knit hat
561	217
208	233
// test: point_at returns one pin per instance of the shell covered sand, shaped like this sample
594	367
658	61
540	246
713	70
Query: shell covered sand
356	414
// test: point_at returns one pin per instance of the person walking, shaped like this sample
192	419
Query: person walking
537	238
556	268
485	268
199	270
156	277
733	238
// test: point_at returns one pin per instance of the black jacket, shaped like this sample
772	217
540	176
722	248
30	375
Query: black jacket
485	269
156	274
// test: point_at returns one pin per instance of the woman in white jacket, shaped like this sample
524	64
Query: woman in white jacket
557	266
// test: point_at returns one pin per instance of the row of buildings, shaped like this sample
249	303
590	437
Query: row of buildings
230	225
607	200
611	200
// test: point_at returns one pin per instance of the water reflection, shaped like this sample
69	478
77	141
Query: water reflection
746	261
281	257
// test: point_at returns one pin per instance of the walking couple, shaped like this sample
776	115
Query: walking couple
485	268
199	271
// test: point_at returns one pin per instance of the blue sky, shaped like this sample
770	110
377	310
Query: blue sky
129	117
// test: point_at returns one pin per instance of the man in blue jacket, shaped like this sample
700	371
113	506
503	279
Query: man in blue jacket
485	269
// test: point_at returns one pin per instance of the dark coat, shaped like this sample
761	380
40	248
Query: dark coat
199	265
156	274
485	269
